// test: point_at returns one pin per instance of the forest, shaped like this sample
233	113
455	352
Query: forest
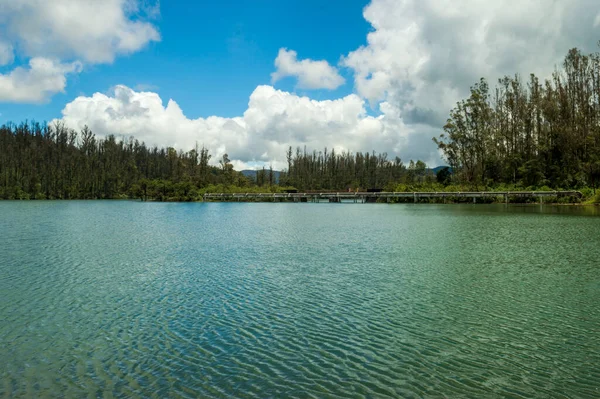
533	135
328	170
41	161
529	134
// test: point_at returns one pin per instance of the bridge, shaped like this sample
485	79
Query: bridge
364	197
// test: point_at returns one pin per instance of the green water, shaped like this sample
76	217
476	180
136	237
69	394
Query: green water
128	299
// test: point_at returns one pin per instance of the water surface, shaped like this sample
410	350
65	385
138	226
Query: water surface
130	299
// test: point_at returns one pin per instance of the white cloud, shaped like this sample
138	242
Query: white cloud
81	31
7	55
34	84
310	74
423	55
274	120
89	30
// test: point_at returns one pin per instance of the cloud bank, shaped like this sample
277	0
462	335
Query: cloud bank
423	55
57	34
273	120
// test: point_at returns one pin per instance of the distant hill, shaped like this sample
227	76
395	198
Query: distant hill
438	168
252	174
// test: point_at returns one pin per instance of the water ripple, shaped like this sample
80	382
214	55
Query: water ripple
124	299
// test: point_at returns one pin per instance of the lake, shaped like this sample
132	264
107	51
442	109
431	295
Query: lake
167	300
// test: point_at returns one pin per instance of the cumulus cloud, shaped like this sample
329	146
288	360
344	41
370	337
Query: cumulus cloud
83	31
89	30
273	120
34	84
310	74
423	55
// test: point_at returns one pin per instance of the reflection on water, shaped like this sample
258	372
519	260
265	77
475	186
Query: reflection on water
126	299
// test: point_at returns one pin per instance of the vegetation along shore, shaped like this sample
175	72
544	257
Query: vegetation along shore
519	136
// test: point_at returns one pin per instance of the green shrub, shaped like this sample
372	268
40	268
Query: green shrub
587	192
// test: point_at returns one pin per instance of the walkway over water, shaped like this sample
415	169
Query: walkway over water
374	196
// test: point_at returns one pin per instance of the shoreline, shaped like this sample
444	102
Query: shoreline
571	197
267	201
379	196
271	201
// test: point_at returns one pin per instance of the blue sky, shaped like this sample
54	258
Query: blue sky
213	54
250	78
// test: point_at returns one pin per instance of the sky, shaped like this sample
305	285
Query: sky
250	78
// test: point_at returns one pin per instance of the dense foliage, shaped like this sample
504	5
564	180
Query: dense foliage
328	170
534	134
53	162
39	161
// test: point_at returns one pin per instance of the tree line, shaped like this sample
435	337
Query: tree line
41	161
329	170
529	134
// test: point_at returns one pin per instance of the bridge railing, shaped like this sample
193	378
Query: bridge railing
396	194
